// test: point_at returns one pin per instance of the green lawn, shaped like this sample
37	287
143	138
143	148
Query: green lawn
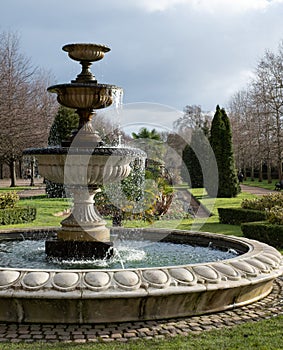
46	208
263	184
211	224
17	189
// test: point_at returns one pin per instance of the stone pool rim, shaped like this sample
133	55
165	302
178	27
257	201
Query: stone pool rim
117	295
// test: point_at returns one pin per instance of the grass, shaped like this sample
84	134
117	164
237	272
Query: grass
17	189
46	208
262	335
262	184
211	224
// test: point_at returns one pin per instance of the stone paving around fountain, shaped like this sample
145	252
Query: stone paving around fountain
270	306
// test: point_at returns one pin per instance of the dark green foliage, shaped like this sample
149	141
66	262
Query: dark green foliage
65	122
54	190
144	133
123	199
191	171
133	184
17	215
221	144
264	232
196	156
236	216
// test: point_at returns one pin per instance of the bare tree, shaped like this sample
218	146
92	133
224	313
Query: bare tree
240	112
264	132
193	118
257	117
270	90
26	109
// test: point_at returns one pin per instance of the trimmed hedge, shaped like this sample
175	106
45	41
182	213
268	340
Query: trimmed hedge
236	216
17	215
264	232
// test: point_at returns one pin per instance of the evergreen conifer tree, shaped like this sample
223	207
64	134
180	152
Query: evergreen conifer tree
191	171
221	144
195	156
66	120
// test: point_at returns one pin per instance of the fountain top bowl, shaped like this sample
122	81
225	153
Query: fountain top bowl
86	51
87	94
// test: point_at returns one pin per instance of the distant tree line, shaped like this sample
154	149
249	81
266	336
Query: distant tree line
26	109
256	114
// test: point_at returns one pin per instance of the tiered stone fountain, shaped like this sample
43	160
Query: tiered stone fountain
117	295
83	163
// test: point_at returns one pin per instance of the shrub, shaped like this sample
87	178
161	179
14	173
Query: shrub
265	232
235	216
177	211
8	199
265	202
54	190
10	216
134	200
275	215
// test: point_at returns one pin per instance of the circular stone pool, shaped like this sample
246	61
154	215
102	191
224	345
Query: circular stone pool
87	295
30	254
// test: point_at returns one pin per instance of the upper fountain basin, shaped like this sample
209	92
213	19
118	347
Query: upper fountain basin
86	52
85	166
85	95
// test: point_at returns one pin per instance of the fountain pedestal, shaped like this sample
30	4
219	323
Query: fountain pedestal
84	223
83	234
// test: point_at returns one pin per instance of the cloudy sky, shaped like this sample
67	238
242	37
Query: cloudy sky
166	52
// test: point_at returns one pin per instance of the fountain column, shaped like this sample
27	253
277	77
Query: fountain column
84	223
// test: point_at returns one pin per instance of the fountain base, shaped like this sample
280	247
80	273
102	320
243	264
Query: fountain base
68	250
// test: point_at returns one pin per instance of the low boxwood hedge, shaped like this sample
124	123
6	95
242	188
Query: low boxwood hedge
236	216
264	232
17	215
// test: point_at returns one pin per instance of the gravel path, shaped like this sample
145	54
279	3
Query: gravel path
256	190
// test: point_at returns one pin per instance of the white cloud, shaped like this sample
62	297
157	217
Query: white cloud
173	52
159	5
211	6
230	6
